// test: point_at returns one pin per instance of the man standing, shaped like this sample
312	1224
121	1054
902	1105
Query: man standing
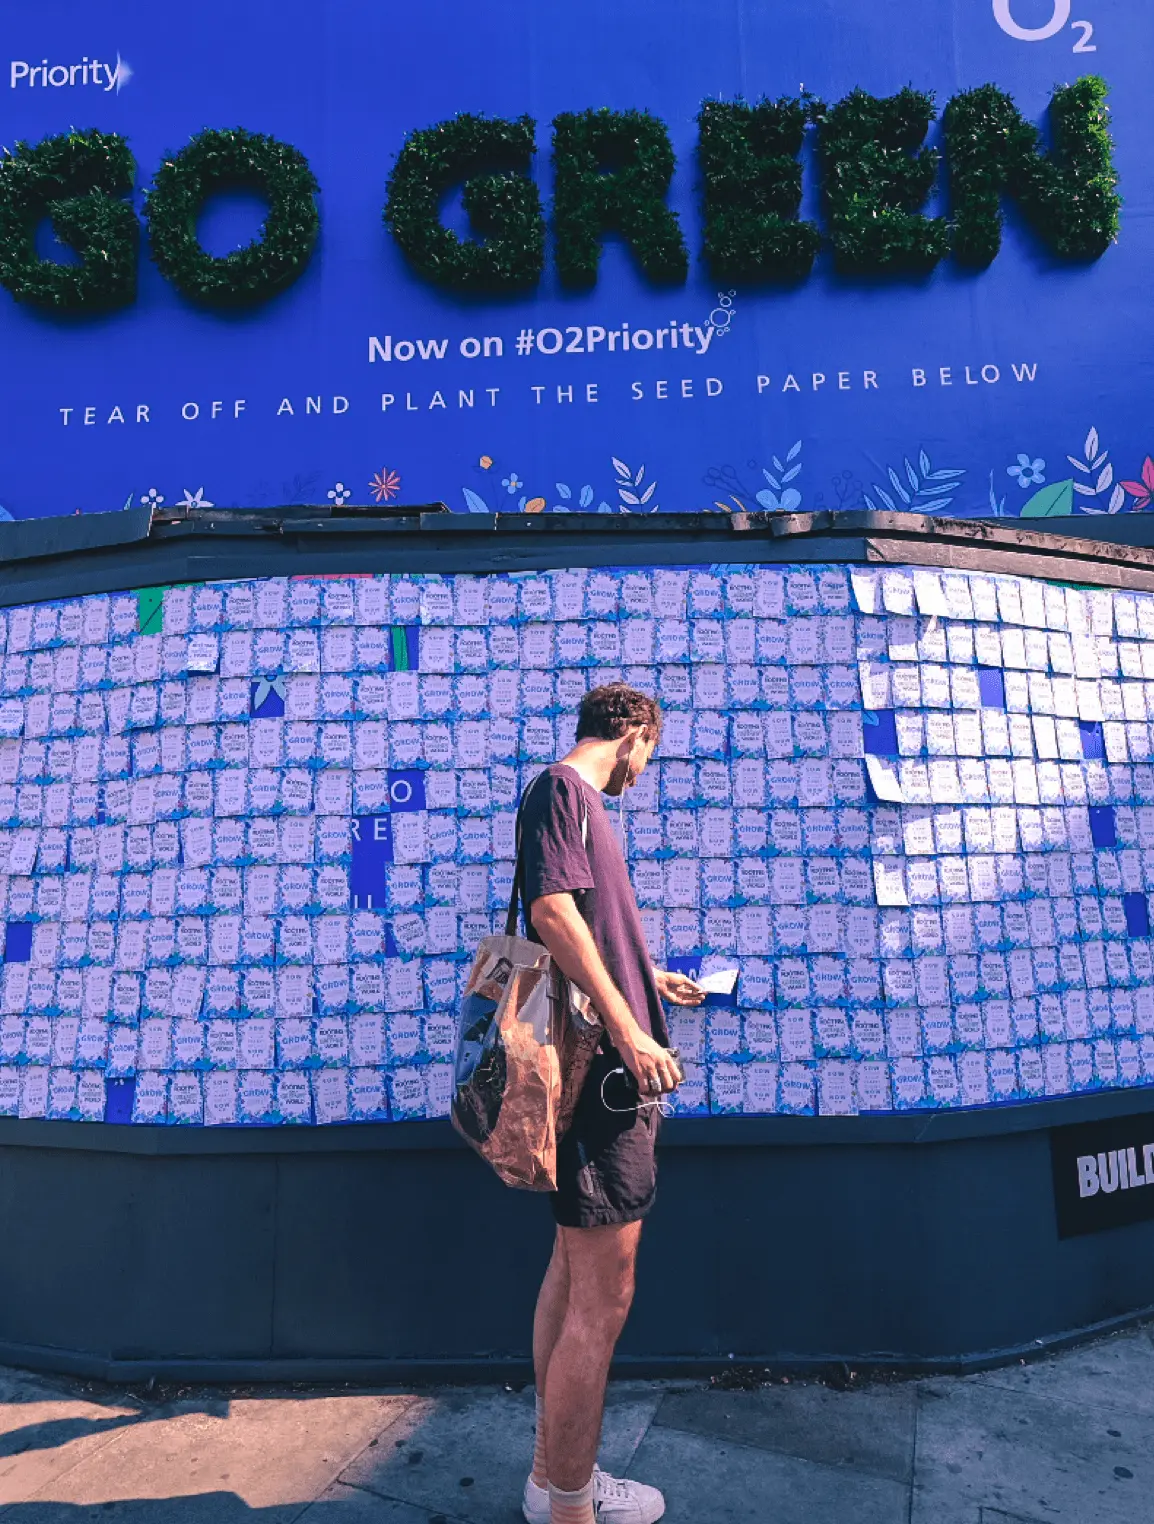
580	904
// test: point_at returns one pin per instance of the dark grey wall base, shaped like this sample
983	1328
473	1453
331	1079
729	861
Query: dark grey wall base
913	1243
493	1369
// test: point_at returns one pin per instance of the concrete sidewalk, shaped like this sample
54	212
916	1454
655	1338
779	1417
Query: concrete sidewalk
1066	1439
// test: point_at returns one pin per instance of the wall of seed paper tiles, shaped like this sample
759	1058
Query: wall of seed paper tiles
251	832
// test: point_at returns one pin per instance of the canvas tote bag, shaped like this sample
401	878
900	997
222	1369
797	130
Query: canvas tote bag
525	1041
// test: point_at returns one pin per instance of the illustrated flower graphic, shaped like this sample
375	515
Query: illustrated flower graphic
1143	491
385	485
486	462
339	494
1029	473
512	483
151	498
195	499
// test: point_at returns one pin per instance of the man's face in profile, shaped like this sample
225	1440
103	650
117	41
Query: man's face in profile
633	756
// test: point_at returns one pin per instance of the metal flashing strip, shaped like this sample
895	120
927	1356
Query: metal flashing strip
35	539
69	557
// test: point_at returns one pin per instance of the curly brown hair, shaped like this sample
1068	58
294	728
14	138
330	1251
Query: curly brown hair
606	713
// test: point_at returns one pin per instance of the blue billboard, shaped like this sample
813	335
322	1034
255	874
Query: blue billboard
636	257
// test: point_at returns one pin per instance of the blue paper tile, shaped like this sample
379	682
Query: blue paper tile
1103	827
1137	909
118	1097
881	733
1093	740
992	687
406	790
266	698
371	856
18	942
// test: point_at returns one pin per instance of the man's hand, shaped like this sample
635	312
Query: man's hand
678	989
653	1067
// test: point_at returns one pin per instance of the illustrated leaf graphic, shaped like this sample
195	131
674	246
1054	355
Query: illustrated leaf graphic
1085	491
1053	502
912	475
628	497
621	468
649	491
586	496
924	462
1100	459
638	478
1105	479
604	507
791	473
1079	465
564	490
795	451
1091	444
886	498
772	480
935	489
474	502
777	465
898	488
1117	499
869	502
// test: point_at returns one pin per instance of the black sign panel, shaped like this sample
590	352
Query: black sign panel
1103	1174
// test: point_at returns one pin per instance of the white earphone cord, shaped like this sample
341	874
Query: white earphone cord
662	1105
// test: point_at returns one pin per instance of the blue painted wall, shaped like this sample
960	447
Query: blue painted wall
346	82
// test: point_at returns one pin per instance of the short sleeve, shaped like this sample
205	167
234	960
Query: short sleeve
552	840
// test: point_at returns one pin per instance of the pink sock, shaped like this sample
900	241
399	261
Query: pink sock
572	1507
540	1464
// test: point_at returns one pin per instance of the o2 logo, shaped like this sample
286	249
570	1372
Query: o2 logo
1004	16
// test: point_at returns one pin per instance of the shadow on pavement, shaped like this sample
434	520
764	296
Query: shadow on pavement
204	1508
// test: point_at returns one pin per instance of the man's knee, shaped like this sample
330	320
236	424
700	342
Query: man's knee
602	1281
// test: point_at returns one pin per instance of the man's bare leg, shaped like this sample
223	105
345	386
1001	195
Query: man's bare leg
552	1303
601	1264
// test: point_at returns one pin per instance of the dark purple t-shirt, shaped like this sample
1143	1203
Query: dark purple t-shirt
555	860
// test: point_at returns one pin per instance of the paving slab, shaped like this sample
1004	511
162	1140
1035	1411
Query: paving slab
220	1460
707	1481
986	1447
341	1504
466	1453
1117	1373
41	1440
871	1430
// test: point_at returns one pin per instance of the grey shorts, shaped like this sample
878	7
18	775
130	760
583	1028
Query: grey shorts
607	1162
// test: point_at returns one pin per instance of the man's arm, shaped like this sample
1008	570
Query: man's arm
562	928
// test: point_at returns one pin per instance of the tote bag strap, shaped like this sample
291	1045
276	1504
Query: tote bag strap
515	897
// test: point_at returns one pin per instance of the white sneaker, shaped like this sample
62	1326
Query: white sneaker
535	1504
618	1501
615	1500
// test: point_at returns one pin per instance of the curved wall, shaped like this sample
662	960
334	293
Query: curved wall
916	825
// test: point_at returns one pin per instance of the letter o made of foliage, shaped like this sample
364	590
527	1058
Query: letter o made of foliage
216	161
77	180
